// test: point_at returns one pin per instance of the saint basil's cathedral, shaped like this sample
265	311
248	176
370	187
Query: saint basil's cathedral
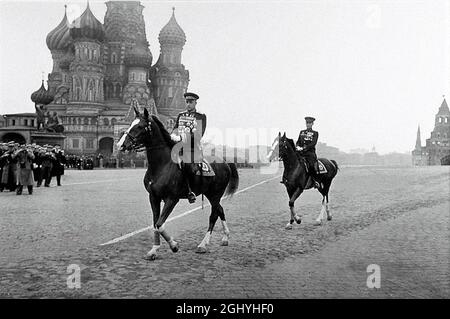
100	71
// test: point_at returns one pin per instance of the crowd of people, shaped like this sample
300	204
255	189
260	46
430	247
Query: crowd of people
30	164
80	162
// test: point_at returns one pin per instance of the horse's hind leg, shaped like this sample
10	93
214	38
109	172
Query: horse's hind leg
329	217
320	218
226	231
202	247
324	208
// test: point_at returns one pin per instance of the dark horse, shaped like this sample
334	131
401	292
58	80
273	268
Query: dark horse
164	180
296	177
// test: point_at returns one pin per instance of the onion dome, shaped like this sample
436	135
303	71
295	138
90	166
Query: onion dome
42	96
59	37
172	32
139	56
87	26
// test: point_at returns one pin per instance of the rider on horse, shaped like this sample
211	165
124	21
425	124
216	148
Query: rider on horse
306	147
191	126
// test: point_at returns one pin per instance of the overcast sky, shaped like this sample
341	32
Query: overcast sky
368	71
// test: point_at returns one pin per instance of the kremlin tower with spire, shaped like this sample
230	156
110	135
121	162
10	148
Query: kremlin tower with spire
437	148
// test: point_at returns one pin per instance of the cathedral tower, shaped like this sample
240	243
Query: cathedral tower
61	47
87	68
124	33
169	77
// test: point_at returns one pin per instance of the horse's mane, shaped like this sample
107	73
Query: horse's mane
164	133
291	142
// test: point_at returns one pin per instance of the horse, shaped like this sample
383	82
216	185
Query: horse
165	181
297	179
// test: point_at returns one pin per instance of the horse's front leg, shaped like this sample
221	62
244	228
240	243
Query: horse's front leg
155	203
167	209
294	217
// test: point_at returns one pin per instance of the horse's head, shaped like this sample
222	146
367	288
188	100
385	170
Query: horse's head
274	151
285	146
138	135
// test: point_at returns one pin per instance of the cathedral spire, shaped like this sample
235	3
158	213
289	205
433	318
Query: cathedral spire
418	140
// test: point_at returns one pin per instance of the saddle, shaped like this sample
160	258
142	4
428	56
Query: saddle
201	169
322	168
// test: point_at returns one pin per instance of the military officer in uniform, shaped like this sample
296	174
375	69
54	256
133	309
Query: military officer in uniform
190	126
48	160
58	164
306	146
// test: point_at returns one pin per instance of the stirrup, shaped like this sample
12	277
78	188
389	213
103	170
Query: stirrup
191	197
317	184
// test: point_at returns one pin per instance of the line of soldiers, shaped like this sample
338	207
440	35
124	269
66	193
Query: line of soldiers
23	165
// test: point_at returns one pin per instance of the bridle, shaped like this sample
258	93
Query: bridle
140	147
135	145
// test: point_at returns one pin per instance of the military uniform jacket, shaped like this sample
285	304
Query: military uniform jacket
58	164
48	159
193	123
308	140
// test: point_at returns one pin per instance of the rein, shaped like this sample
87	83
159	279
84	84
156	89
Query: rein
139	147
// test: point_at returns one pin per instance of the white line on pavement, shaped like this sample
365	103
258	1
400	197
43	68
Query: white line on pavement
116	240
102	181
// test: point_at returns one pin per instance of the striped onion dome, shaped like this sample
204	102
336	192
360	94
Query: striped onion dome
87	26
172	32
59	37
42	96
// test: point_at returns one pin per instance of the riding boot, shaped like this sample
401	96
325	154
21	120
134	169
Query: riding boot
58	180
30	189
19	190
190	196
315	175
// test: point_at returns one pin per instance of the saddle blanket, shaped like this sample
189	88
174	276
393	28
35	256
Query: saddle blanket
322	168
206	169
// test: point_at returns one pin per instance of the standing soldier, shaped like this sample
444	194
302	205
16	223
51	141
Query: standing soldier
191	126
37	165
306	146
58	167
48	159
24	157
8	179
3	150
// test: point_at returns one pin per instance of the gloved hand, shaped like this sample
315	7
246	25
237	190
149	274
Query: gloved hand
183	137
298	148
175	138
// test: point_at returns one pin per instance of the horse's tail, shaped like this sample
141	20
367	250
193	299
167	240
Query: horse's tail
233	183
335	164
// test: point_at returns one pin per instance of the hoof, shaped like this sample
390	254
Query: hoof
317	223
150	257
224	243
298	221
329	218
174	248
288	226
200	250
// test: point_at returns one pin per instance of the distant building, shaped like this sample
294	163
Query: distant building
437	148
100	70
